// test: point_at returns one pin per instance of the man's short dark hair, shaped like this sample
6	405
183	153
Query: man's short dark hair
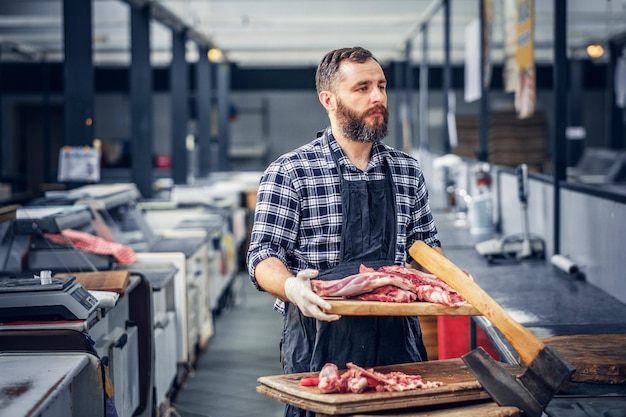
328	69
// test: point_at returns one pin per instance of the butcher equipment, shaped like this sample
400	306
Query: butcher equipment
33	299
516	246
117	207
33	222
118	218
546	370
50	219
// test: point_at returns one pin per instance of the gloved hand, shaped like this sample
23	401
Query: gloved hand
299	292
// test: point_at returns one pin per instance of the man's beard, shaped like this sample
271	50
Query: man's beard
354	126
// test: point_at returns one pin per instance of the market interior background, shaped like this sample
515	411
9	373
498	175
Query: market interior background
189	100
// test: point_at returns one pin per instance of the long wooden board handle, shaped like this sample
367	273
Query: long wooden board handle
526	344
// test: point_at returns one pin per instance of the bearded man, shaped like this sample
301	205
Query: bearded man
343	200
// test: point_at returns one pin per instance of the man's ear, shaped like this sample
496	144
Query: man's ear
328	100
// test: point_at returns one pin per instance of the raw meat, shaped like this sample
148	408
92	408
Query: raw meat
356	380
388	293
329	378
394	381
360	283
390	284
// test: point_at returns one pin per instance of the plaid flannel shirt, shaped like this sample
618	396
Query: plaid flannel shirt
298	212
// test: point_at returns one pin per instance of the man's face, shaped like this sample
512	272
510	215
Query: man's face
361	95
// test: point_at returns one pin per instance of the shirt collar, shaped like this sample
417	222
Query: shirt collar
379	151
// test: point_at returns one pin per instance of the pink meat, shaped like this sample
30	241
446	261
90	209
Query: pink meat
356	380
388	293
394	381
329	378
390	284
359	284
417	277
428	287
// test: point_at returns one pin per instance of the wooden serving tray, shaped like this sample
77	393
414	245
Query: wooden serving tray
461	385
381	308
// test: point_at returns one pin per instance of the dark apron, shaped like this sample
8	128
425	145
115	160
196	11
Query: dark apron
369	238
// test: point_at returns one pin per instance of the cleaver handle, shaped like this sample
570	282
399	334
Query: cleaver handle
526	344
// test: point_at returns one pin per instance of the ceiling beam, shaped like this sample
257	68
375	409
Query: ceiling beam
424	18
169	19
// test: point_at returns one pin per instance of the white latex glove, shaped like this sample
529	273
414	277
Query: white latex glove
299	292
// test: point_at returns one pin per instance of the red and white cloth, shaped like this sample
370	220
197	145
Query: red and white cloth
94	244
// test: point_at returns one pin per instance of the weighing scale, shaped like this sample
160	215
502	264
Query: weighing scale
51	219
36	221
34	299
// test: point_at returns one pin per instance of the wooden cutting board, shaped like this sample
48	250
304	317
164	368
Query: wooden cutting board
381	308
114	281
597	358
460	386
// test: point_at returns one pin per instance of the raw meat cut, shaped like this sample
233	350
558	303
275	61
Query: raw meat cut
390	284
360	283
356	380
394	381
329	378
388	293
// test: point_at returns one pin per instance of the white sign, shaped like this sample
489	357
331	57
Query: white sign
79	164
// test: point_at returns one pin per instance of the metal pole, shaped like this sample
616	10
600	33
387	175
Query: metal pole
447	76
559	148
203	105
615	113
398	71
223	105
78	80
408	91
141	101
423	114
179	86
48	175
483	140
575	142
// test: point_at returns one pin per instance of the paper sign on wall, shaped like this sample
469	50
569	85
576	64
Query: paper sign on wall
79	164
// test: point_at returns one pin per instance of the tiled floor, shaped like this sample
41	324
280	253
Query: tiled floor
243	348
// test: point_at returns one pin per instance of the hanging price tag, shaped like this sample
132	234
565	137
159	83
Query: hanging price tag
79	164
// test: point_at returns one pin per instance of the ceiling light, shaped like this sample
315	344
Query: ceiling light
215	54
595	50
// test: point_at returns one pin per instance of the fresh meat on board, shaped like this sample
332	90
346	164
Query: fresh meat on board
361	283
390	284
356	380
